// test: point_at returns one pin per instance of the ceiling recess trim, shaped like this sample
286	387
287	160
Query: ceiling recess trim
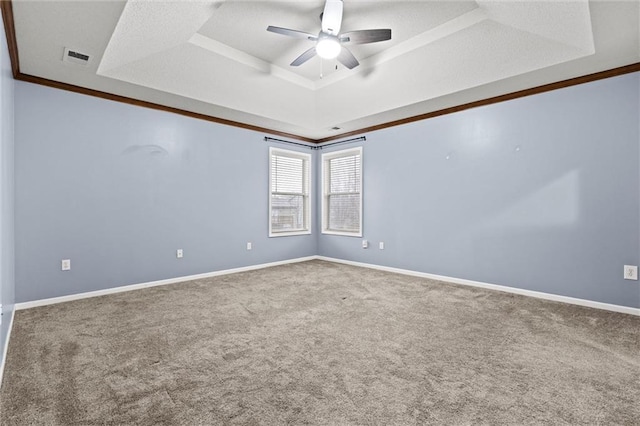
137	102
7	16
614	72
9	29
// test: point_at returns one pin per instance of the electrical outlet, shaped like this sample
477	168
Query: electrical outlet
630	272
66	264
179	253
381	245
249	246
365	244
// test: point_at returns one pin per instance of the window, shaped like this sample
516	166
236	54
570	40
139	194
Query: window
342	192
289	193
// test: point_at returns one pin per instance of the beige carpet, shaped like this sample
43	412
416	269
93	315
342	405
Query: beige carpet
321	343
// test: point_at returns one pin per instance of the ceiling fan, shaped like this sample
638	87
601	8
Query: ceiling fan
329	41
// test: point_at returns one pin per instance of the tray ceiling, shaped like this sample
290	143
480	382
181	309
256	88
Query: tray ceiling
216	58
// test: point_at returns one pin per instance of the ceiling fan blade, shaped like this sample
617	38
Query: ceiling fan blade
366	36
347	59
292	33
304	57
332	17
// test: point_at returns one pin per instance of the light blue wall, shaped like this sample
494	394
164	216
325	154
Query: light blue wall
540	193
118	188
7	277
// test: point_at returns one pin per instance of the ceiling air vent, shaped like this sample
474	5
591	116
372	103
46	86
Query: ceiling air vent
75	57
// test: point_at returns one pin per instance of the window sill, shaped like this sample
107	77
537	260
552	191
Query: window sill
288	234
343	233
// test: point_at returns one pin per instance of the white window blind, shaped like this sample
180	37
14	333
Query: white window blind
342	189
289	192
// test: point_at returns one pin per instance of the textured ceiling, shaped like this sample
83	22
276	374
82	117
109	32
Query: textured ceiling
407	19
216	58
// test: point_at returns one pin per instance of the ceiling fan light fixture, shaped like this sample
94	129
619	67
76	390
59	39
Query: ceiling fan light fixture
328	42
328	47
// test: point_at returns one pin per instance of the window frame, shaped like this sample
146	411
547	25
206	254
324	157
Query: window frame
325	160
306	158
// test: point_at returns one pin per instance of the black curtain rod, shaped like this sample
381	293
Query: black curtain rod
268	139
359	138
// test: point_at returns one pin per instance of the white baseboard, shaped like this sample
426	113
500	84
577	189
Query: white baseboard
514	290
523	292
131	287
6	347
